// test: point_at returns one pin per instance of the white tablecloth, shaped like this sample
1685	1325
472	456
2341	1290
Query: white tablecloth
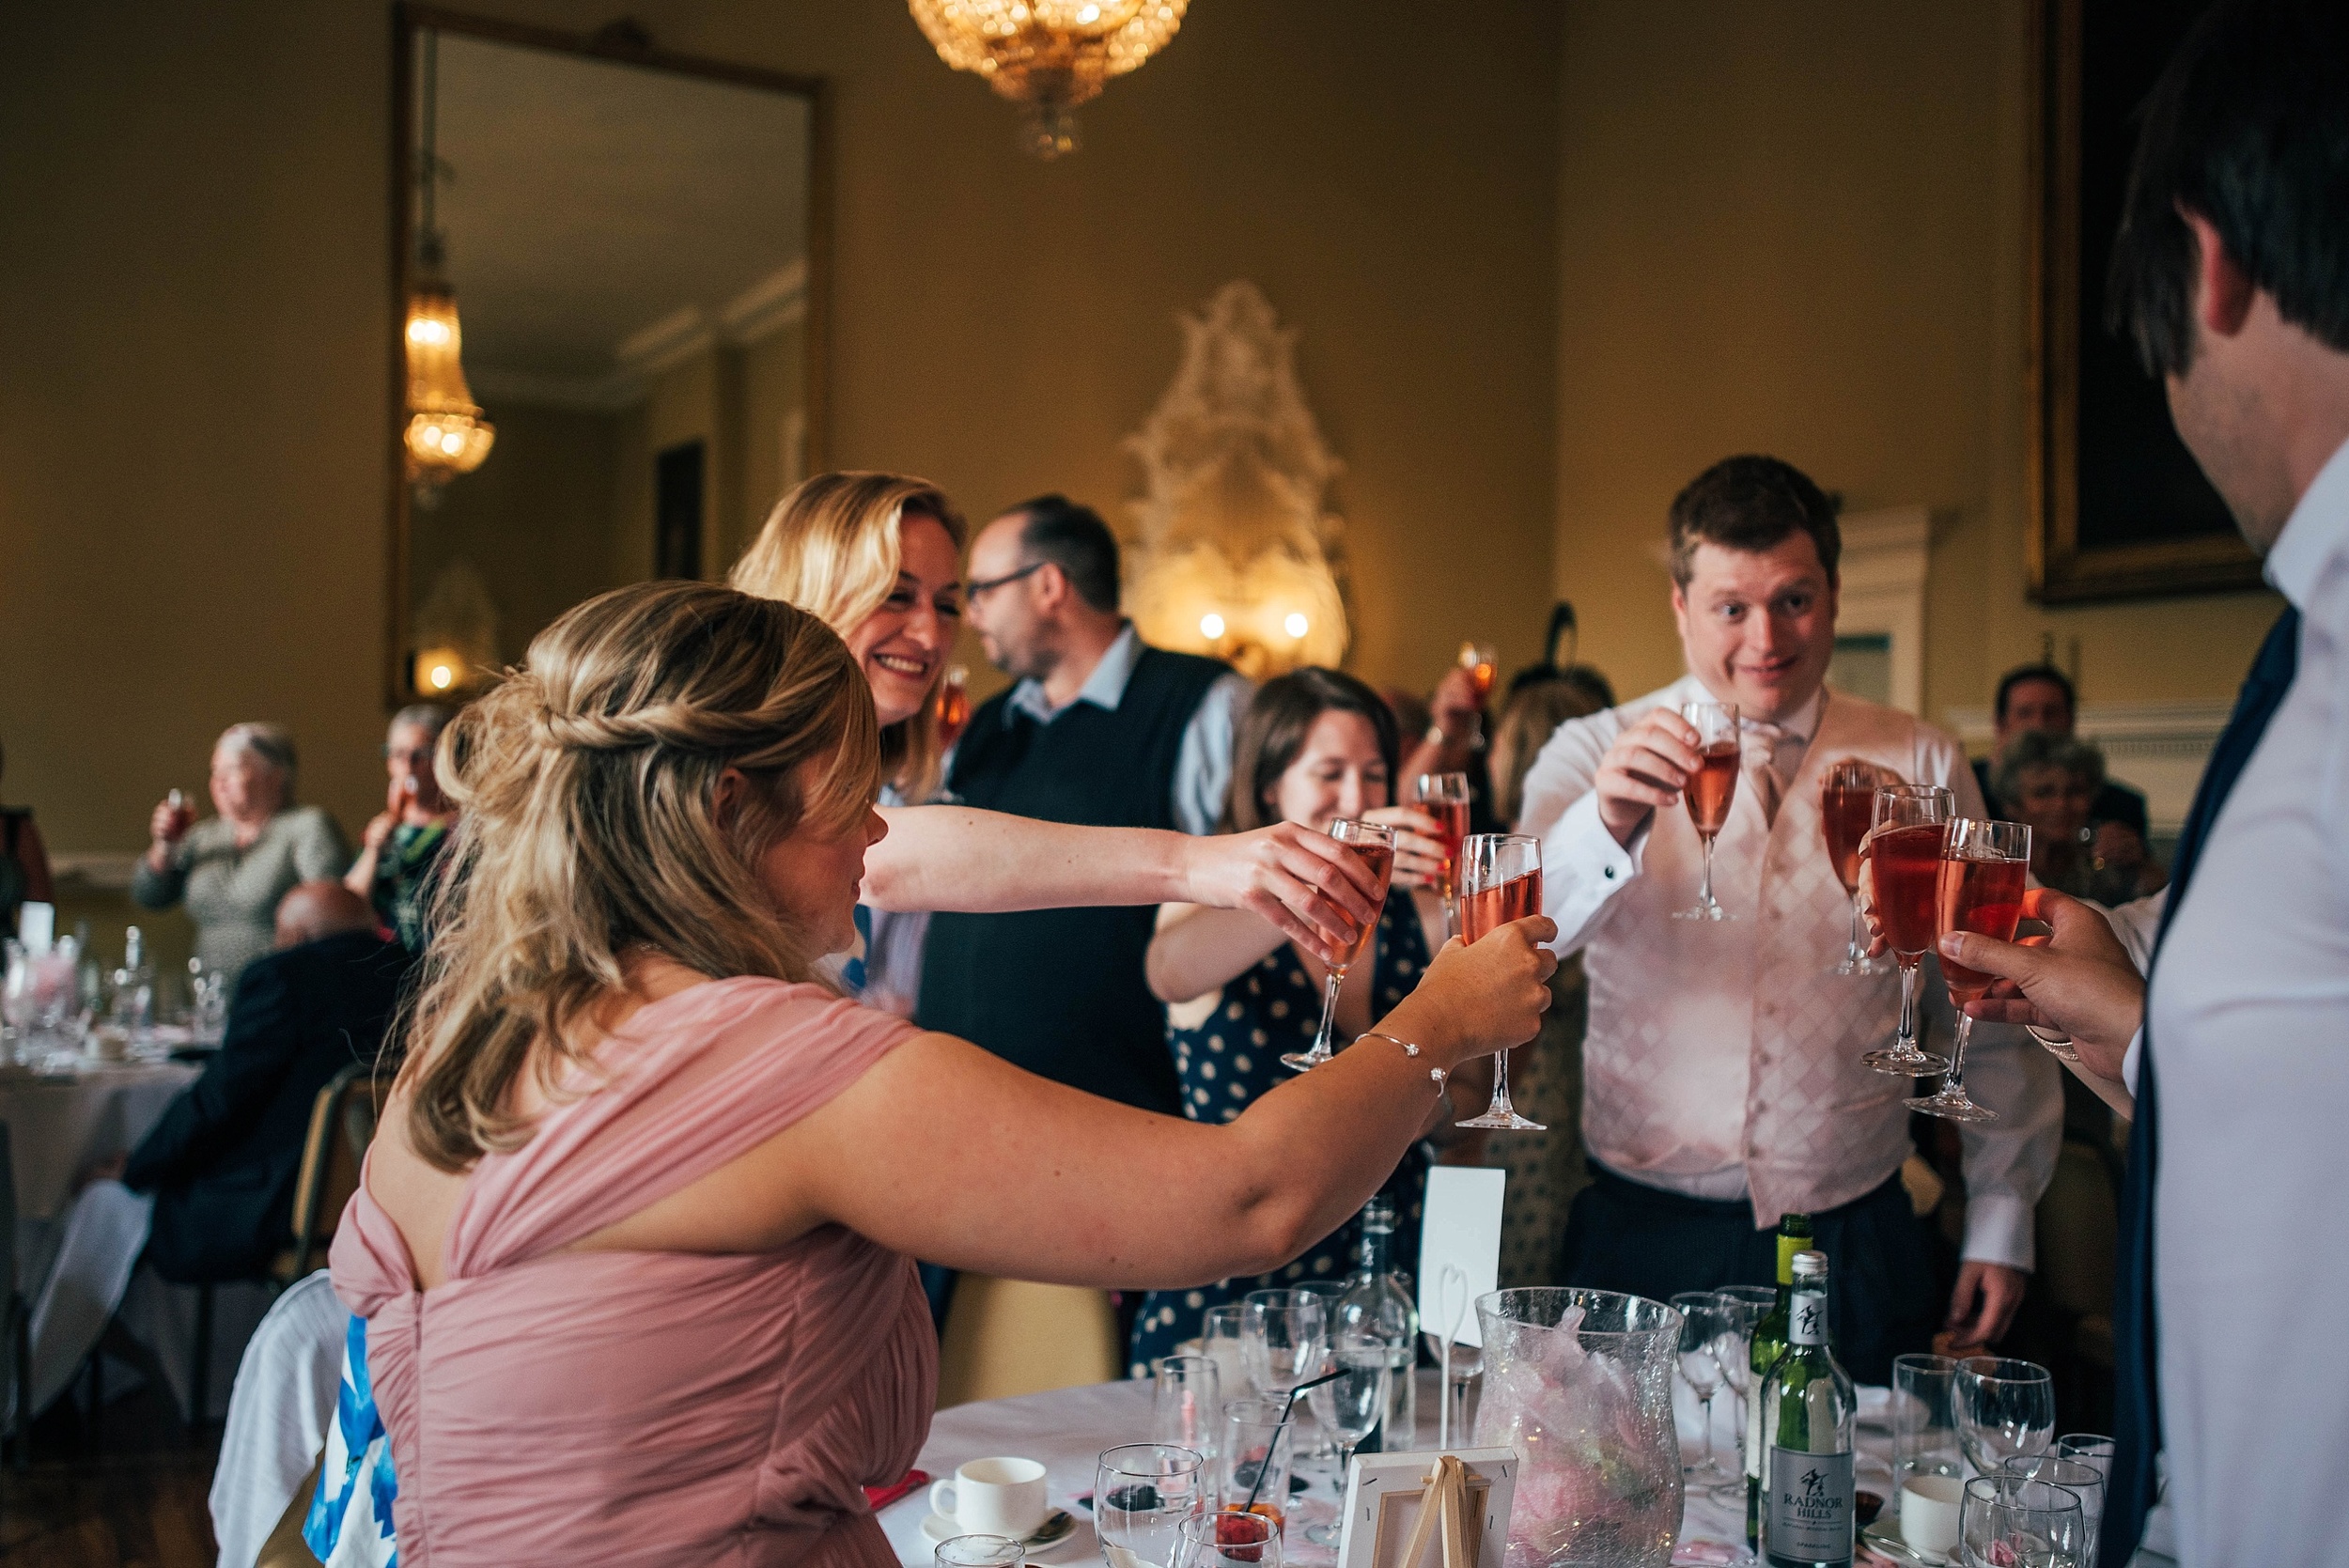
58	1127
1066	1431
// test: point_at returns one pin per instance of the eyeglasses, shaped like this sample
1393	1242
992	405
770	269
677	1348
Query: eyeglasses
971	590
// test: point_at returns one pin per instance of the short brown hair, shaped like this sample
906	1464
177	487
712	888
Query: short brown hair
1273	730
1753	503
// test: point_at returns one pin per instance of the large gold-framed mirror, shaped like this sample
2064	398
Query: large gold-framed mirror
609	325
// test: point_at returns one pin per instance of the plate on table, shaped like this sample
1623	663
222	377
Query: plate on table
1885	1536
1057	1526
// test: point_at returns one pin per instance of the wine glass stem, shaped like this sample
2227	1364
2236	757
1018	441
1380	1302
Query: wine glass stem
1907	1040
1955	1083
1328	1014
1501	1106
1707	1403
1855	956
1450	911
1705	892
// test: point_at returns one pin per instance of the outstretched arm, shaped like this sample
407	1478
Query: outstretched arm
1306	884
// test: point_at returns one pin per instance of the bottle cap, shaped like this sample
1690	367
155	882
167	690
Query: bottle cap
1810	1265
1379	1215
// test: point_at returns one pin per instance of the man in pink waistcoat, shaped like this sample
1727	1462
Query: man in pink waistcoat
1722	1073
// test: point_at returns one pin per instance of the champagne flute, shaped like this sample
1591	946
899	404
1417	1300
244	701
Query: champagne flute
1482	661
1501	881
1750	1304
1348	1407
1980	889
1904	854
1374	843
954	703
1709	791
1706	1319
1848	804
1445	797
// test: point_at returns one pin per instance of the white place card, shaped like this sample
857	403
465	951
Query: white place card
1461	1231
36	927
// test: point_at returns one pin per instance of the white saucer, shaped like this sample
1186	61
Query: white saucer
1885	1536
938	1526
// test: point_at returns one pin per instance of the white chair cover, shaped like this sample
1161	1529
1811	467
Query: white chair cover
279	1414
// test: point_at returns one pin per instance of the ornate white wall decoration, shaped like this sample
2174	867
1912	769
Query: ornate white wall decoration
1234	552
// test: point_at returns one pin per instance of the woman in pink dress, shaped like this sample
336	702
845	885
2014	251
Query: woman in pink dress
632	1241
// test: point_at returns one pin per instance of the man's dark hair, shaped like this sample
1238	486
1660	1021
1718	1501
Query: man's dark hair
1751	503
1073	537
2048	673
2247	128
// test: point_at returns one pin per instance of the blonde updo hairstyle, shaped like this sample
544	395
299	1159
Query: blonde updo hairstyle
833	547
587	780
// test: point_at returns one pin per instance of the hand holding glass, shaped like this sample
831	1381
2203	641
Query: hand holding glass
1709	792
1980	889
1374	843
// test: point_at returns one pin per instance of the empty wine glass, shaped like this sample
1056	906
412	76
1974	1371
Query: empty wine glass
1186	1403
980	1551
1374	843
1848	804
1228	1539
2082	1479
1750	1305
1350	1405
1706	1318
1283	1337
2007	1522
2091	1449
1904	856
1709	791
1141	1494
1501	881
2005	1409
1979	890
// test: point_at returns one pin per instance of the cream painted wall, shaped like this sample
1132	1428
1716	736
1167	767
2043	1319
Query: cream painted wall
193	371
1800	228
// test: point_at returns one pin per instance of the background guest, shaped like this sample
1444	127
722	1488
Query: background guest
221	1162
1723	1085
400	851
231	869
1316	745
1099	729
1548	1169
2051	782
23	861
2039	699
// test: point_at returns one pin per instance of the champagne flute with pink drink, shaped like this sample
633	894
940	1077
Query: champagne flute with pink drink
1980	889
1501	881
1904	853
1709	792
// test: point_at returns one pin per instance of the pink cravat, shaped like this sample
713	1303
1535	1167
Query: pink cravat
1758	749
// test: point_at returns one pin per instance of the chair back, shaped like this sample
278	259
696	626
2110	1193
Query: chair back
342	1124
1008	1336
12	1327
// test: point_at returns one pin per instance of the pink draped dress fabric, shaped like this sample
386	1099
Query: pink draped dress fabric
614	1408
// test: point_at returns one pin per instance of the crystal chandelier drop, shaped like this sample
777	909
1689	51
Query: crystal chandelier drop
1049	55
446	435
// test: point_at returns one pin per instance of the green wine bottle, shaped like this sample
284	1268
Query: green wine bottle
1807	1414
1770	1343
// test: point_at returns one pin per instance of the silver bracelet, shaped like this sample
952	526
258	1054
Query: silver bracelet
1437	1074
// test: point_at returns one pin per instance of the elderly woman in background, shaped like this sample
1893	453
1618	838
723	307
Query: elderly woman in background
231	869
2048	781
399	854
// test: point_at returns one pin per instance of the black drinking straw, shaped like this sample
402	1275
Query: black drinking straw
1273	1442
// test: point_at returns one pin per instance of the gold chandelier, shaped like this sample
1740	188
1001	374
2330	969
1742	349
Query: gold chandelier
446	435
1049	55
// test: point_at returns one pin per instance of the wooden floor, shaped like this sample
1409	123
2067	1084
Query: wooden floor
128	1493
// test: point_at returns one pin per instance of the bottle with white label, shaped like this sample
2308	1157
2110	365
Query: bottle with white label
1807	1410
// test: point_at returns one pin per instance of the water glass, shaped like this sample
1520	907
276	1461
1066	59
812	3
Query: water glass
1141	1494
1706	1319
1924	1418
2007	1522
1186	1404
1258	1453
1283	1335
2005	1409
2084	1481
1218	1340
980	1551
1228	1540
2089	1448
1349	1406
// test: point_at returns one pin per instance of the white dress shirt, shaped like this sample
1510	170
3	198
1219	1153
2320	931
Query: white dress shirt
1202	759
2249	1017
1723	1061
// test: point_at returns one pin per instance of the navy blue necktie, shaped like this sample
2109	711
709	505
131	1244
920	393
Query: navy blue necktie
2137	1395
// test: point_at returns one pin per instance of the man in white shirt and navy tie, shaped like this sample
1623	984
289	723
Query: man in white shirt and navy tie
2232	273
1722	1076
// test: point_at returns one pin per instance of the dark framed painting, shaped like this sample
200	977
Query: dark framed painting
2120	508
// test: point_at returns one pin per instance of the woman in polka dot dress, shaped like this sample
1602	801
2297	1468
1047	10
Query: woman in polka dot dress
1316	745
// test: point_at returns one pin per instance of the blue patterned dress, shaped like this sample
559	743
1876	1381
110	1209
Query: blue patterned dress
1233	1056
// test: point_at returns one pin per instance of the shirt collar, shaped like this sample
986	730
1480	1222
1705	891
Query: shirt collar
2318	530
1799	725
1105	687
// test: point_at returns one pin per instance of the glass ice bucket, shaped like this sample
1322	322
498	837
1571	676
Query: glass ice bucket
1579	1382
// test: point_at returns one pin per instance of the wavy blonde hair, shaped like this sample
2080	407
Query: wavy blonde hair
833	547
587	781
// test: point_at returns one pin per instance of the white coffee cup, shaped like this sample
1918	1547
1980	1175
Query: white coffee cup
1929	1510
994	1496
108	1044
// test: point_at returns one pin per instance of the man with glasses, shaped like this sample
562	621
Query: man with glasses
1100	729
